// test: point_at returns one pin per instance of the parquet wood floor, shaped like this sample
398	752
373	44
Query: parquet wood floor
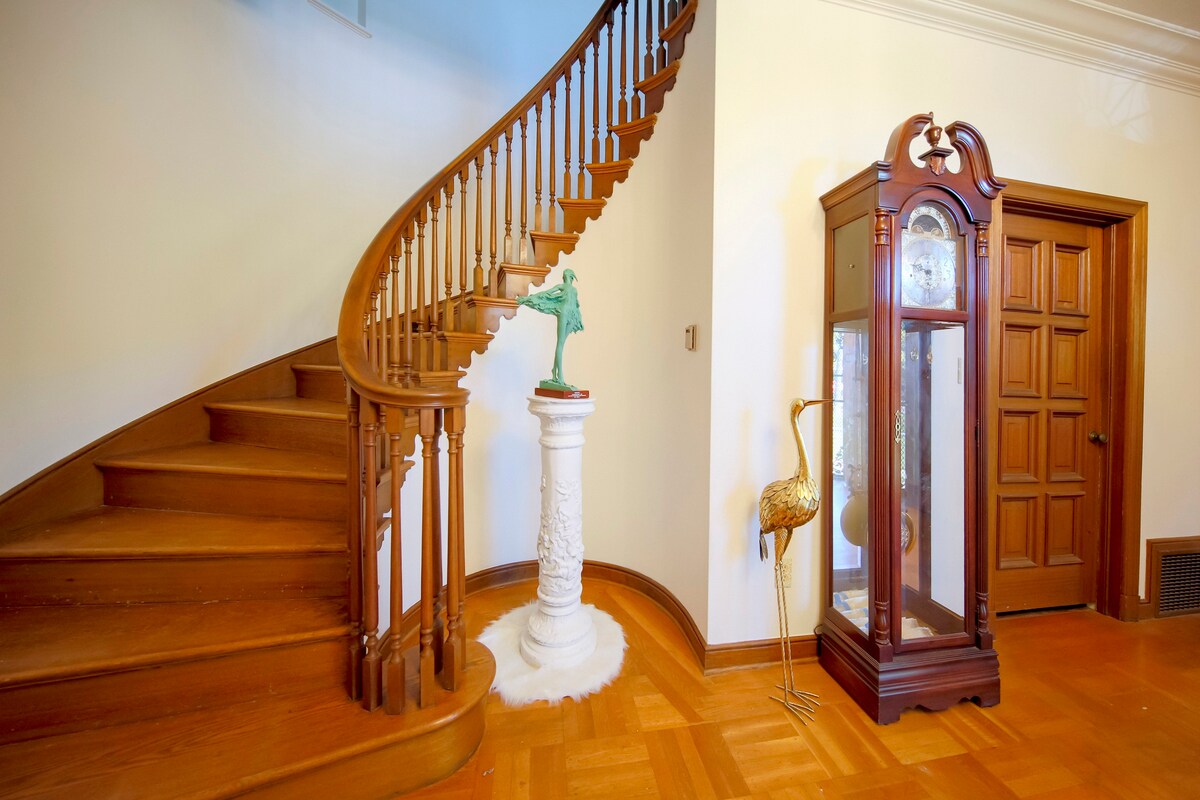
1090	708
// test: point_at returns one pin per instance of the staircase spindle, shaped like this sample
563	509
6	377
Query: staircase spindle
381	350
582	121
372	337
537	169
463	177
455	653
448	266
425	666
523	244
393	374
662	45
478	276
553	200
435	205
623	104
439	631
408	321
636	111
421	324
648	67
567	133
508	135
372	679
595	100
608	115
491	277
394	673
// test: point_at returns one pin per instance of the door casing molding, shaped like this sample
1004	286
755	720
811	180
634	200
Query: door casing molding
1125	231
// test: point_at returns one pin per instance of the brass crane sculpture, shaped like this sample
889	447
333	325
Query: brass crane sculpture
784	506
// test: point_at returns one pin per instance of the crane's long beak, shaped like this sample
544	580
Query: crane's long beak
816	402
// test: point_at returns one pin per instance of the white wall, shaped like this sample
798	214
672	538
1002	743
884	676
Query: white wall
806	95
188	184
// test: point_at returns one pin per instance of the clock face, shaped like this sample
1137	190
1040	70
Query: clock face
929	271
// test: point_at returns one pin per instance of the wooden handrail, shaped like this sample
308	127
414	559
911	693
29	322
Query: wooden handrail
353	356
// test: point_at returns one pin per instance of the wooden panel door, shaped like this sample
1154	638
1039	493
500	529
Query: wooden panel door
1047	491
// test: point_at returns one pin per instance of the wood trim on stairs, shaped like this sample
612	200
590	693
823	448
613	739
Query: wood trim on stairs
74	484
710	658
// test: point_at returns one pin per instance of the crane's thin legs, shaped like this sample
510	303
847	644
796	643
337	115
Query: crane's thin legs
802	706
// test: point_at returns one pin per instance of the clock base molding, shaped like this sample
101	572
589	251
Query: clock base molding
931	679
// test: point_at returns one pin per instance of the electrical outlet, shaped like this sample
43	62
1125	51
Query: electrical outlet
785	569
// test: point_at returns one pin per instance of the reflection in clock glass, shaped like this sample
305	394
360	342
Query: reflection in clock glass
929	273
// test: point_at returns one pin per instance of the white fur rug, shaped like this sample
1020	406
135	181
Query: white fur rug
519	683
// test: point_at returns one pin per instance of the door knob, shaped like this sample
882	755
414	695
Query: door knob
1098	438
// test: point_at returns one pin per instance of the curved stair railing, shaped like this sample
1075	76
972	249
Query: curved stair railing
431	289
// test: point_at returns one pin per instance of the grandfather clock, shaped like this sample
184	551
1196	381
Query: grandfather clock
906	595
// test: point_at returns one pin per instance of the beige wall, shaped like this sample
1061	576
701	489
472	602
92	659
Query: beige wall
807	94
188	184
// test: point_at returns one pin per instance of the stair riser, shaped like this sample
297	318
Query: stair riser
121	581
225	494
29	712
389	771
320	385
603	183
277	431
656	97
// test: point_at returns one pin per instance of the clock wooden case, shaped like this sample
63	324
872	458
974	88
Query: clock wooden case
905	577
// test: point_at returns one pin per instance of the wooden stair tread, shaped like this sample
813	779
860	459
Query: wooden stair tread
330	368
46	643
117	532
304	407
234	459
635	125
226	751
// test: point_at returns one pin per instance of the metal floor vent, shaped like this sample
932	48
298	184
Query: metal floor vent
1179	587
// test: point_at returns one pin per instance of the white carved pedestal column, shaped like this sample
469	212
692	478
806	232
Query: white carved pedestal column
556	646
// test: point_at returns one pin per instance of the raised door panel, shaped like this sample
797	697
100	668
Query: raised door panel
1021	361
1019	453
1017	532
1022	276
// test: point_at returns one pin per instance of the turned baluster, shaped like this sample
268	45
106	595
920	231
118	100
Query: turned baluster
408	322
537	170
662	46
623	104
426	670
566	187
478	276
381	350
582	121
354	492
394	335
553	201
491	276
435	205
636	110
648	67
596	99
463	177
372	334
420	276
447	319
608	117
507	257
455	654
439	631
394	673
523	245
372	678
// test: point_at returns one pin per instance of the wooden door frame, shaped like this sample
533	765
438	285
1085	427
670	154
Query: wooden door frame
1125	234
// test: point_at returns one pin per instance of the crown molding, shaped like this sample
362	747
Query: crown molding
1089	33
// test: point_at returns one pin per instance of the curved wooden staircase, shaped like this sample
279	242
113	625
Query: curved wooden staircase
189	607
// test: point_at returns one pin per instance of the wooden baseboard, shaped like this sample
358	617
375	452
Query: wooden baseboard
710	658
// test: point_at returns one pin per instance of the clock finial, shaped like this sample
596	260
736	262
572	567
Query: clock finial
935	156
